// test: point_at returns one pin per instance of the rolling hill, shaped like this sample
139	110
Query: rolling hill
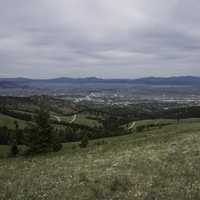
25	82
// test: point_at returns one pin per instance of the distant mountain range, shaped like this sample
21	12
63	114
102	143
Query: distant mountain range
25	82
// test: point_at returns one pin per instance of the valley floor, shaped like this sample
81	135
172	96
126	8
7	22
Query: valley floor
156	164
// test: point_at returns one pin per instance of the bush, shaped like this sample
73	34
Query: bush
100	142
120	183
14	150
57	147
140	128
4	135
84	141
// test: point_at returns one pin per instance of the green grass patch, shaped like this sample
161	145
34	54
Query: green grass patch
8	121
80	119
157	164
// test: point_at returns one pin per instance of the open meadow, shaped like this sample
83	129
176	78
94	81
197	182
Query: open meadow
154	164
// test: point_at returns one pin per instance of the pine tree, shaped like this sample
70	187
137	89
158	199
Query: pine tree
40	138
14	149
13	142
84	141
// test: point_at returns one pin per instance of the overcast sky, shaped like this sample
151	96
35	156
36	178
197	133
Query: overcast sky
104	38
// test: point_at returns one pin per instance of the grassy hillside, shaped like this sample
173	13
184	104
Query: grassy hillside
82	119
156	164
8	121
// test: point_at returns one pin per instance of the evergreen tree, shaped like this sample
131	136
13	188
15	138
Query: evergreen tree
84	141
14	149
57	138
40	138
18	133
4	135
13	143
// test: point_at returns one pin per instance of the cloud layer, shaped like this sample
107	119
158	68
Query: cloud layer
104	38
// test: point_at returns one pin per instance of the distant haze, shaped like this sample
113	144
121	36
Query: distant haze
103	38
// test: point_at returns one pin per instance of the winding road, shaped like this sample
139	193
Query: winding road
132	125
73	119
57	118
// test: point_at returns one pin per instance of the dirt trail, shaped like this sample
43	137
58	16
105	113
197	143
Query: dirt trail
73	119
132	125
57	118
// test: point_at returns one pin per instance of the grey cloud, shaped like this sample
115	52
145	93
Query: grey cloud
129	38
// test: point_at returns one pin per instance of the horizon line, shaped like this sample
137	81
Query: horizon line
96	77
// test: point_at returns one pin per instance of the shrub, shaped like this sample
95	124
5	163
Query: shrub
100	142
73	146
120	183
140	128
14	150
57	147
4	135
84	141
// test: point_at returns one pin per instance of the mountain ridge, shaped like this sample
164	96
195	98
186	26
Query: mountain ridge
173	80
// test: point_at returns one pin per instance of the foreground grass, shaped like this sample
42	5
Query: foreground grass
157	164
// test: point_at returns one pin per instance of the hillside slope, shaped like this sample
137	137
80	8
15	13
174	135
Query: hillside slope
157	164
